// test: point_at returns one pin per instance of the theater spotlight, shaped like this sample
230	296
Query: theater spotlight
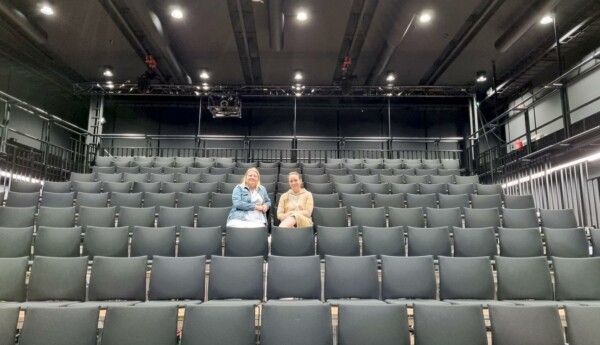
107	71
225	105
481	76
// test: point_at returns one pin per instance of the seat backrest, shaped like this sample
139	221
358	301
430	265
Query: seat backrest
519	218
374	217
582	324
406	217
293	324
520	242
17	217
519	201
489	189
21	199
524	278
292	242
16	242
246	241
487	201
99	241
449	325
576	278
200	241
351	277
449	217
175	216
471	242
9	317
57	241
466	278
559	219
568	243
96	216
429	241
236	278
385	324
118	279
341	241
152	241
55	279
67	326
482	218
421	200
212	216
140	326
531	325
408	277
177	278
12	275
383	241
330	216
212	324
294	277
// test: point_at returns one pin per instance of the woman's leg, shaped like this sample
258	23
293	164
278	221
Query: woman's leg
289	222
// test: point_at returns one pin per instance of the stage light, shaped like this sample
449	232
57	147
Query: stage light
298	75
481	76
547	19
390	77
204	75
302	16
108	71
47	9
177	13
425	17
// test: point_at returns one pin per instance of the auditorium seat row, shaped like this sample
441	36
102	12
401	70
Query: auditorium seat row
347	280
419	216
224	162
147	240
300	324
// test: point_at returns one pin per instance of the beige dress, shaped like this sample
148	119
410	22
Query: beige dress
301	205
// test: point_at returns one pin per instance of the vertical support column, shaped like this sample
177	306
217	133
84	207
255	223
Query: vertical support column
46	148
390	142
95	122
564	98
198	132
4	133
527	131
295	140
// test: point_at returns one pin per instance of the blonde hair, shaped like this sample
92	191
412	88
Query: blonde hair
243	183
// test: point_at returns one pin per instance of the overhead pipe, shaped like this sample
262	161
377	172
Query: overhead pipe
393	40
529	18
276	24
18	19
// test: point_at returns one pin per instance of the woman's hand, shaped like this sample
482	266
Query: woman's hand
262	208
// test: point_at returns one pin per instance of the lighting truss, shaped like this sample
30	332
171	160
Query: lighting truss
96	88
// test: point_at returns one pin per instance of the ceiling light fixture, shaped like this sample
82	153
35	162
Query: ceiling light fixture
298	75
204	75
425	17
481	76
302	15
47	9
177	13
547	19
390	77
108	71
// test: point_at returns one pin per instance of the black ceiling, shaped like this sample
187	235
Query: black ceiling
231	38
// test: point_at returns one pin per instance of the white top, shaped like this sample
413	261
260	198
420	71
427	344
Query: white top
255	215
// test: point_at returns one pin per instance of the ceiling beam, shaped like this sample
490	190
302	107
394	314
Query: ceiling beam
244	30
138	24
472	26
276	24
357	27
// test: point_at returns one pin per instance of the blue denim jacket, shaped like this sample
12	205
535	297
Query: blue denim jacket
242	201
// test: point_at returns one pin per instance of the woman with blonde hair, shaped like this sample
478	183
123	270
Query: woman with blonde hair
250	202
296	205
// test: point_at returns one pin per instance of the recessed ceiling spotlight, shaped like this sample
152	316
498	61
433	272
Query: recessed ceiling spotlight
302	15
425	17
204	75
177	13
46	9
390	77
298	75
481	76
108	71
547	19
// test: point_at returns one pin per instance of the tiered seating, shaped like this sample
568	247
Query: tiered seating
402	215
